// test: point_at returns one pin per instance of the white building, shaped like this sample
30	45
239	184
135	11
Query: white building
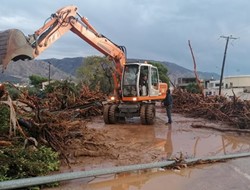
212	87
241	81
238	85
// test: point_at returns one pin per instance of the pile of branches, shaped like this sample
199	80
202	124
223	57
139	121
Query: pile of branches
50	120
234	111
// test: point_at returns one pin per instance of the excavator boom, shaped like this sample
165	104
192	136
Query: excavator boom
14	45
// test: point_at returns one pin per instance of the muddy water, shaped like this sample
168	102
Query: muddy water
180	137
220	176
171	140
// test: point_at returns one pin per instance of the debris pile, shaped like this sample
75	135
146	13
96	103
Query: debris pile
234	112
55	118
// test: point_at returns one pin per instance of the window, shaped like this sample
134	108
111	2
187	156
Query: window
130	80
154	78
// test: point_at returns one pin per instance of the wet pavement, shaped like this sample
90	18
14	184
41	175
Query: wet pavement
234	174
171	140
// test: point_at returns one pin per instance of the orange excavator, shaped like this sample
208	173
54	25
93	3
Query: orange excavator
131	97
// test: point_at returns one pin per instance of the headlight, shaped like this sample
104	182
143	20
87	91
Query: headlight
134	99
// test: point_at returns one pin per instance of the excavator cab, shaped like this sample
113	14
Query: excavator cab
14	46
140	82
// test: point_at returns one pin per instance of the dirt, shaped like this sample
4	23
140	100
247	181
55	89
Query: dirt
97	145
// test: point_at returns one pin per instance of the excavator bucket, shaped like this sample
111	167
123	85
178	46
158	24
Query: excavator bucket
13	47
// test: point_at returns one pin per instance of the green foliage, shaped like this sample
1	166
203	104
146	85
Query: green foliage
96	72
37	80
17	162
13	91
163	70
4	119
64	87
193	88
33	91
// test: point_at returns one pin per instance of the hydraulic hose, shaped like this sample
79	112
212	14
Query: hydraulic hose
27	182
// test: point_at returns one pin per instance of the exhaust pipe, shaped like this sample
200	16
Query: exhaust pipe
14	46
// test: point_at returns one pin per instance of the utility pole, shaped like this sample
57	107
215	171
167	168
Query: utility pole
49	72
224	58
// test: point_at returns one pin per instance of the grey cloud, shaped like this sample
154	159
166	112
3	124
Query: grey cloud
157	30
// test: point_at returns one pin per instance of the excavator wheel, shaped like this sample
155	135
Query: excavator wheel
106	114
112	114
143	114
150	114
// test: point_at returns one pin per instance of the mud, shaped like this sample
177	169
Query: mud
132	143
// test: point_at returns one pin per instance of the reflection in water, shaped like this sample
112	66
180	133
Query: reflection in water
220	145
232	143
193	143
169	145
152	179
138	180
201	143
129	179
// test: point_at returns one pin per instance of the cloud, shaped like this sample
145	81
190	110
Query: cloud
157	30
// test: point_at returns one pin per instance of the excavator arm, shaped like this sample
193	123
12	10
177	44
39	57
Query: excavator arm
14	45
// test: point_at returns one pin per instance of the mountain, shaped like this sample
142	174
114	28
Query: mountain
67	65
19	72
175	71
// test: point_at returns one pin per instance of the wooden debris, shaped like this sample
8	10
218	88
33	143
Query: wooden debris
51	119
221	129
234	112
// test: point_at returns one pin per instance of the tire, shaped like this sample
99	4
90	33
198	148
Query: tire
143	114
112	114
106	114
150	114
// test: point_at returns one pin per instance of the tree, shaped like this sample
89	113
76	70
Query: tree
96	72
193	88
163	70
37	80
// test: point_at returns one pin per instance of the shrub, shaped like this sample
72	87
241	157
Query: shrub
17	162
4	118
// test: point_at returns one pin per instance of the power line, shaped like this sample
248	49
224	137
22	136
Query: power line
224	58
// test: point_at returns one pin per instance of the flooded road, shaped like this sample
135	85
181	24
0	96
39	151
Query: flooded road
146	144
234	174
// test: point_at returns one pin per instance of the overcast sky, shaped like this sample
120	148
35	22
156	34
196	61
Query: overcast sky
149	29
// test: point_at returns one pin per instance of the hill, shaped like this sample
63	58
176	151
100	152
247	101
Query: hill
19	72
175	71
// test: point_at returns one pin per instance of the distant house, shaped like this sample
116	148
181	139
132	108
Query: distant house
212	87
238	85
185	81
231	85
240	81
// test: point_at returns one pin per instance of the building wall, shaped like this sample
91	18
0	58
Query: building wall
237	81
233	85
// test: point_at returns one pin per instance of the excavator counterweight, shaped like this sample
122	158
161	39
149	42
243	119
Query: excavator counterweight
13	47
